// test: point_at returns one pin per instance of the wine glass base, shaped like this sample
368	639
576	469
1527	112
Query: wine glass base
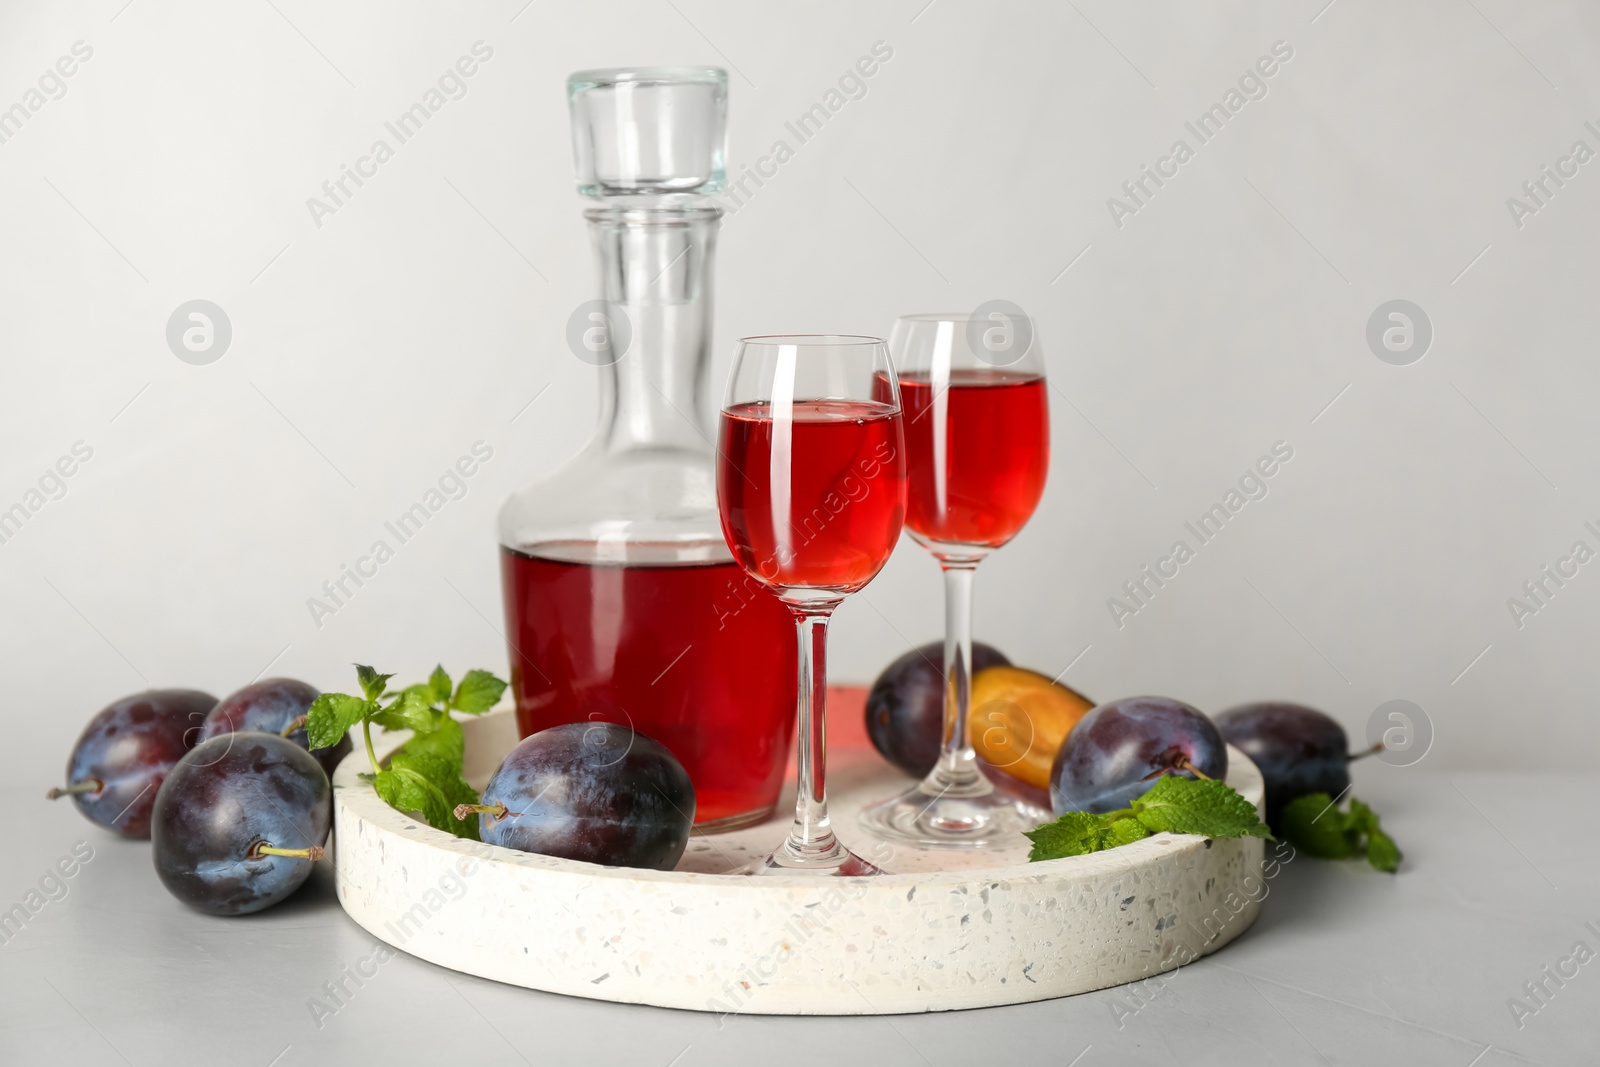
837	861
933	820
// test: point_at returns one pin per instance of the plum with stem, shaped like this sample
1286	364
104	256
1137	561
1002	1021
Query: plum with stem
591	791
125	753
240	822
1114	752
1299	750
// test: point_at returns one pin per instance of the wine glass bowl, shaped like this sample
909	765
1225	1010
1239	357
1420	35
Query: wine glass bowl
977	435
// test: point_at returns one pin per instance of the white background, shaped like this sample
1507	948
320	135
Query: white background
1229	313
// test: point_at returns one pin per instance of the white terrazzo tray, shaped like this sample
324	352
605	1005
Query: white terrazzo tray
946	930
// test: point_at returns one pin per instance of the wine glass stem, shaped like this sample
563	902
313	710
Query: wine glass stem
811	834
957	765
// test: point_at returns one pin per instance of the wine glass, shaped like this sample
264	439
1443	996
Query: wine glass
811	485
977	428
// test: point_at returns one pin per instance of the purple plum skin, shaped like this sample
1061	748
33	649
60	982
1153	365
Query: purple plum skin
131	746
595	792
268	706
222	799
905	706
1109	756
1298	750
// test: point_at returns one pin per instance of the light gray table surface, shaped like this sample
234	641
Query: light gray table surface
1344	966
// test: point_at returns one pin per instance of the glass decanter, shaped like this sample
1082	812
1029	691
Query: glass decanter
623	603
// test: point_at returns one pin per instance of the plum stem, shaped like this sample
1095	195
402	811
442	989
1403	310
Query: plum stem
262	849
88	785
293	726
1364	753
1182	763
497	810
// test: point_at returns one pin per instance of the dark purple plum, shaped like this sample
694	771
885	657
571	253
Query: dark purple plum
240	822
1298	750
269	706
126	751
590	791
1116	752
905	706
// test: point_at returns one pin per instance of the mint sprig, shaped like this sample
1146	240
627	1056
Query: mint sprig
424	775
1174	804
1315	826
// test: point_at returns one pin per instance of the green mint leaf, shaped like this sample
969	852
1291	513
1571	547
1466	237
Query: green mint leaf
478	692
388	720
422	692
1361	819
1313	825
408	711
372	683
331	715
437	758
1210	807
1382	852
406	789
457	791
1122	832
1076	833
430	766
444	789
445	742
439	686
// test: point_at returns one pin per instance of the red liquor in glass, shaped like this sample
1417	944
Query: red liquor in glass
981	482
588	643
825	499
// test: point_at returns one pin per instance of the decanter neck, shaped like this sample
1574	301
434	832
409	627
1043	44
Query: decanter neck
655	268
